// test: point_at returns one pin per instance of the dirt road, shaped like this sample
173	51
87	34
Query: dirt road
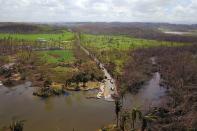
109	83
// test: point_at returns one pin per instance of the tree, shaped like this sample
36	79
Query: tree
147	119
85	79
122	93
124	117
47	82
118	107
17	125
134	114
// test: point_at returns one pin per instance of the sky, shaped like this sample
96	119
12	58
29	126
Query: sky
171	11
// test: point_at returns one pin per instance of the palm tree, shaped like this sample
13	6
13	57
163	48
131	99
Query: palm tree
122	94
17	125
124	117
147	119
134	114
118	107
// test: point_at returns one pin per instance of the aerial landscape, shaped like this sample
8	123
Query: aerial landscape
108	65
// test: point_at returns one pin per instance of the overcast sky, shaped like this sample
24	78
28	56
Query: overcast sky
173	11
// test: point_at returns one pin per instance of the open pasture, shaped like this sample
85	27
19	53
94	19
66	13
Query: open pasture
56	56
105	42
66	36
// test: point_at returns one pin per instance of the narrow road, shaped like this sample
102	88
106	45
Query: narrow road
109	82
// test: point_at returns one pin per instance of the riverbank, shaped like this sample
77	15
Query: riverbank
69	69
53	112
178	70
149	96
76	105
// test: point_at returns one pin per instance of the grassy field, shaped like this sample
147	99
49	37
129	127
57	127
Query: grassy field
66	36
103	42
113	50
56	56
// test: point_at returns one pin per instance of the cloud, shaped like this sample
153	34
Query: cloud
174	11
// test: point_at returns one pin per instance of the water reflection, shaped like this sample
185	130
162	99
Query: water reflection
148	96
68	112
68	101
48	104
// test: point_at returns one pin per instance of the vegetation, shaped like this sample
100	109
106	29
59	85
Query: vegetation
113	50
17	126
118	107
55	63
133	120
56	60
107	42
30	28
4	60
146	120
47	91
134	113
12	43
33	37
57	56
140	30
68	69
137	71
178	69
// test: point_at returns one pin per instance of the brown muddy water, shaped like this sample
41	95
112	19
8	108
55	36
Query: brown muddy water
68	113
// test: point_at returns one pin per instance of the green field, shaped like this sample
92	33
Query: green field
104	42
56	56
66	36
115	49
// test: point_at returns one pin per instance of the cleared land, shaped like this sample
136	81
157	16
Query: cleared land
55	56
33	37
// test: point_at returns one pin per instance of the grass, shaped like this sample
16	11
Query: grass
92	85
104	42
56	56
66	36
114	49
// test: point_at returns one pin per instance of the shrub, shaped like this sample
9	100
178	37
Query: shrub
17	125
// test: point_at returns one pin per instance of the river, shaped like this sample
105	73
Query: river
65	113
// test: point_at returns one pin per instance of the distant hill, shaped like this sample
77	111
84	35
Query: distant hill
137	29
133	29
29	28
133	25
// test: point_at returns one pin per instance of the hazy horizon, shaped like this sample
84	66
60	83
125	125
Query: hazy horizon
64	22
